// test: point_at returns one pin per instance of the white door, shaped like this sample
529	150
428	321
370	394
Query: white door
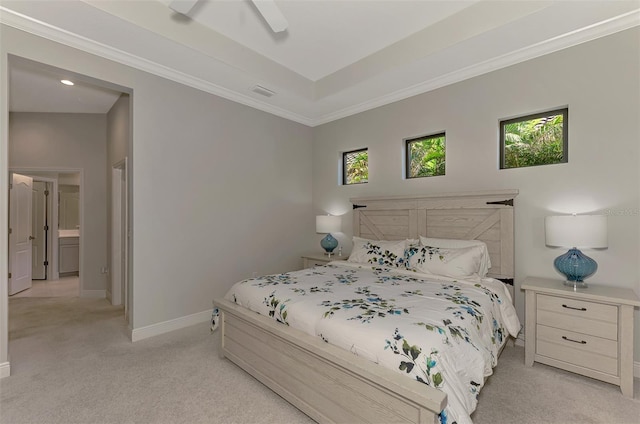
39	227
20	200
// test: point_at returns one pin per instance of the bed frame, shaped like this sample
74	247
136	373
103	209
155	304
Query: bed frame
332	385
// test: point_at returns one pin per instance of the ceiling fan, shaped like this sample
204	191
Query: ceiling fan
267	8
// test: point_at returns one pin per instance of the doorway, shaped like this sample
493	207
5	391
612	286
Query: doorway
55	234
20	72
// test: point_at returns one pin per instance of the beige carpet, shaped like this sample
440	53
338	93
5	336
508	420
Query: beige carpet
63	287
72	363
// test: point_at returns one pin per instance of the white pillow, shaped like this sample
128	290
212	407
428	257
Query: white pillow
485	262
460	262
378	252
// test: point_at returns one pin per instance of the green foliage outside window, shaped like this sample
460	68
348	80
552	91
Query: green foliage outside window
356	167
534	140
426	156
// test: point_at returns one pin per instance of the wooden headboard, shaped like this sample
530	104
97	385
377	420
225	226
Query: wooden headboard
486	216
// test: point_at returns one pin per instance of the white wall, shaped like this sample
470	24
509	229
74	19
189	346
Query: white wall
70	141
220	190
599	83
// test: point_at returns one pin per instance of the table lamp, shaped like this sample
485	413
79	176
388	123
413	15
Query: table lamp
574	231
327	224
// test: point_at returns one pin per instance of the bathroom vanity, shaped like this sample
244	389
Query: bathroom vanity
68	252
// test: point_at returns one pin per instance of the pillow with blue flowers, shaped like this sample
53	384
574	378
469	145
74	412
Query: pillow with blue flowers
485	260
378	252
461	262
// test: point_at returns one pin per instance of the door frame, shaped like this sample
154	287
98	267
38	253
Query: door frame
52	219
119	254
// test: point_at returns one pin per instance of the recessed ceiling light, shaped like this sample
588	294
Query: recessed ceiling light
66	82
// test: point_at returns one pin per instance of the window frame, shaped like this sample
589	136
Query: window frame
344	165
407	150
565	134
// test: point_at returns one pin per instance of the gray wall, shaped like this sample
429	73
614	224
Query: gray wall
118	131
599	83
118	146
70	141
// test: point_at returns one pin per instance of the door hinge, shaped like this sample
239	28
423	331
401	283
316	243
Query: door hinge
46	192
9	275
46	263
46	228
10	230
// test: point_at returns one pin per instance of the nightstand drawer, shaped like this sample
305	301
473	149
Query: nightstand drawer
579	349
596	319
579	308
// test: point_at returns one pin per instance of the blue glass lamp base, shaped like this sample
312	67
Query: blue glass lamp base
329	243
576	266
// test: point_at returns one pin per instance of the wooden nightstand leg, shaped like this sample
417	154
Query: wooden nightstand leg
626	350
530	328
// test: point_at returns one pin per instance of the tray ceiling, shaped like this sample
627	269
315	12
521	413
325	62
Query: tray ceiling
337	57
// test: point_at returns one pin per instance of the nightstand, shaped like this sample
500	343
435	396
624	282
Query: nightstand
317	259
587	331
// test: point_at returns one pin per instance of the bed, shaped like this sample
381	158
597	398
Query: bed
334	377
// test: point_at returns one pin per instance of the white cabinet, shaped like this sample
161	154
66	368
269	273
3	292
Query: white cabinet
587	331
69	255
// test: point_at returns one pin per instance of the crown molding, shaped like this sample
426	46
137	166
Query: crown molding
582	35
59	35
42	29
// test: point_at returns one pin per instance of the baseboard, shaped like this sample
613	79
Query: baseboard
94	294
171	325
5	369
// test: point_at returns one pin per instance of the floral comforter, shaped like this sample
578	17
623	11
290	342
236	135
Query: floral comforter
443	333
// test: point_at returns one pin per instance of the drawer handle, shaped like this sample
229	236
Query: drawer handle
575	309
575	341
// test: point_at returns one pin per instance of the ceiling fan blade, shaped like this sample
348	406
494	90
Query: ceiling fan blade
271	14
182	6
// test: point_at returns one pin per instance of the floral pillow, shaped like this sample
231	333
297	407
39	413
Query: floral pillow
461	262
378	252
485	261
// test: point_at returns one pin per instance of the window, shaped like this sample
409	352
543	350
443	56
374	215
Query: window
355	167
539	139
426	156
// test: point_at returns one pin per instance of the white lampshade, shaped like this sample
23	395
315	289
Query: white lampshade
326	224
576	231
